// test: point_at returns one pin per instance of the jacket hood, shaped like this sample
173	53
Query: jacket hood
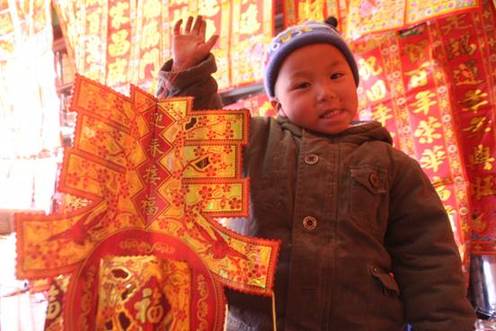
358	133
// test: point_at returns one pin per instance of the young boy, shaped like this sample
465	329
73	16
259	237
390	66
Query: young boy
366	243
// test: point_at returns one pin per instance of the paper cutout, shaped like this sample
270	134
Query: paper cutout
155	174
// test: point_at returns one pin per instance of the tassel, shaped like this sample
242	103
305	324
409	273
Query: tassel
274	315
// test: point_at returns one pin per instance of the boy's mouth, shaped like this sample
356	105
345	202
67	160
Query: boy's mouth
329	113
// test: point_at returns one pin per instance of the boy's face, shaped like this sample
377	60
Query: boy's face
316	90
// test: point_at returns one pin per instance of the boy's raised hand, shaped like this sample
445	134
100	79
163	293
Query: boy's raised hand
188	45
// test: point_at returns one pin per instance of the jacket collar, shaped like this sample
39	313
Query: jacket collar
359	132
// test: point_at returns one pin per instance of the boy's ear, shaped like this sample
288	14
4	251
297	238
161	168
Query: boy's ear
276	105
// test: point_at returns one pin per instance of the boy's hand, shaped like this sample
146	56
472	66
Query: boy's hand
189	47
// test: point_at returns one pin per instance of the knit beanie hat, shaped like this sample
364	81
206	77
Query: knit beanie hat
297	36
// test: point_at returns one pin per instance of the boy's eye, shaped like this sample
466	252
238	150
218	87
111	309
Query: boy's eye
302	85
336	75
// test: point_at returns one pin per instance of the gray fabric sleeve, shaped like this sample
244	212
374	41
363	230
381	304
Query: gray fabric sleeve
196	82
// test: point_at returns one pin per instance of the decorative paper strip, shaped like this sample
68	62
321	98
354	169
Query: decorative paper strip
297	11
119	42
151	176
467	49
405	89
252	26
135	37
360	17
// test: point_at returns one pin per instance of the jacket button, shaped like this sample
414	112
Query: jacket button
311	159
374	179
309	223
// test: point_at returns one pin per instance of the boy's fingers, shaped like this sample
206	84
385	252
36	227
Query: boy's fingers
187	28
197	25
202	29
177	26
211	41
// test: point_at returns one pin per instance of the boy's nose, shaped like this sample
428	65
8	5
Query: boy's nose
325	92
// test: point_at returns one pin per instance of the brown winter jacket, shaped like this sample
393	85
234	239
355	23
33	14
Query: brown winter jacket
366	243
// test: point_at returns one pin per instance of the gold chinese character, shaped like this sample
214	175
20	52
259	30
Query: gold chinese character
424	102
417	53
119	44
369	67
426	130
158	119
461	46
474	99
117	72
433	158
440	186
155	147
149	205
477	124
150	35
466	73
118	15
151	175
377	91
454	22
478	223
249	21
93	21
483	187
151	9
482	155
381	113
418	77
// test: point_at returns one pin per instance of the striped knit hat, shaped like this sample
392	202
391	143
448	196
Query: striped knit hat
297	36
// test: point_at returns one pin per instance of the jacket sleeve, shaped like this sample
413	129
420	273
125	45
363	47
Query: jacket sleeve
426	262
196	82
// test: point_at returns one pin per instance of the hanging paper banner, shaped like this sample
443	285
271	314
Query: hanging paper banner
155	175
148	32
366	16
135	38
119	42
360	17
297	11
467	49
115	42
403	88
252	26
85	32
